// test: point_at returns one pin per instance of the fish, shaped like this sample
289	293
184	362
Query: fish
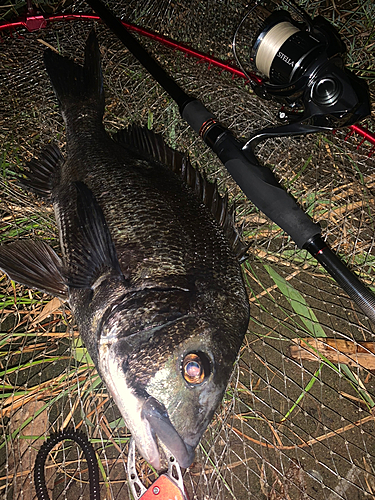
149	265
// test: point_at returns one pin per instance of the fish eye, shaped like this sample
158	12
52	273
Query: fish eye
195	368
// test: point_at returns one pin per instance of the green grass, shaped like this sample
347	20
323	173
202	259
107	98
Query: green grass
15	8
35	221
313	328
355	23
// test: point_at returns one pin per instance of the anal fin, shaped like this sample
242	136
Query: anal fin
42	171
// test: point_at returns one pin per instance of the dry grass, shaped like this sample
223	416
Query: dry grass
287	427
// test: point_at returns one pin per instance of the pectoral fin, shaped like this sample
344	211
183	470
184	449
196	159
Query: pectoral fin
94	254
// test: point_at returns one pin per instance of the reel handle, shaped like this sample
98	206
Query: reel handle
256	181
290	129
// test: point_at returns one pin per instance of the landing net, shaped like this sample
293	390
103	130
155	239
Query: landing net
295	423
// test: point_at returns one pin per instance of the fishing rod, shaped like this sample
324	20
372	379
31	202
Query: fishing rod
34	21
256	181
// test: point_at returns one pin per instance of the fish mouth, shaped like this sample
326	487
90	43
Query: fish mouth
146	418
161	427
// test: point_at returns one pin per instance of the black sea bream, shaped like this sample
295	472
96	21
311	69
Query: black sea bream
149	265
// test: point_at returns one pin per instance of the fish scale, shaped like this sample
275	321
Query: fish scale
199	245
150	266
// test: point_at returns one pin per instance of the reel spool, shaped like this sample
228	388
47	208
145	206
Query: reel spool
301	63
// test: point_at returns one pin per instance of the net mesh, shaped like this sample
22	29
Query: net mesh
294	423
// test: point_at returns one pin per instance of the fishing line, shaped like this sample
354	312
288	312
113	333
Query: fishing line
268	45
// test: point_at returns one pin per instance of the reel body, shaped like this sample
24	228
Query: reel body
302	60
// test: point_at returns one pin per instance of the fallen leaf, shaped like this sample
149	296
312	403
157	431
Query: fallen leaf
51	307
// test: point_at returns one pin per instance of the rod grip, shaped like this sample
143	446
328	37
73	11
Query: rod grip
196	115
256	181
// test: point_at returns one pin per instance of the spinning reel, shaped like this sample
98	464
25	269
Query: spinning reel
299	61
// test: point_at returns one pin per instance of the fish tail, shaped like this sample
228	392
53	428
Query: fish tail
77	86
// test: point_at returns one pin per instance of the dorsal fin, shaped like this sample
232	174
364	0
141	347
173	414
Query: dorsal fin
144	141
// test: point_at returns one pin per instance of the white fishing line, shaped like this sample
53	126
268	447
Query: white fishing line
270	45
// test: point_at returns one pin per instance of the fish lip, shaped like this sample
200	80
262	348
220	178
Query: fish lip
147	419
156	415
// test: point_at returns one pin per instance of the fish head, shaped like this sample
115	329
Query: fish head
167	380
189	385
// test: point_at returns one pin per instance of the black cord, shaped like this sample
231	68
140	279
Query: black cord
89	452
